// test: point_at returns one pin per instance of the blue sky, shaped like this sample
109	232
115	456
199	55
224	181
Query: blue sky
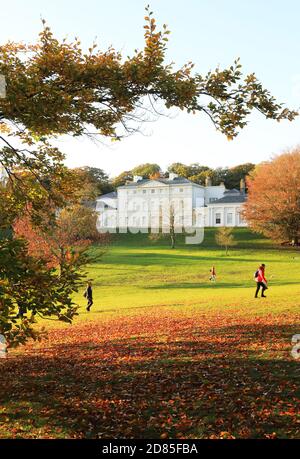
264	34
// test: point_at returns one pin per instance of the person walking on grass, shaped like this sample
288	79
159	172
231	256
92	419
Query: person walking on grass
261	281
213	274
88	294
21	311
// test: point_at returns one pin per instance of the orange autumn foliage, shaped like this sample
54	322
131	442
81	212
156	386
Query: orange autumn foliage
273	204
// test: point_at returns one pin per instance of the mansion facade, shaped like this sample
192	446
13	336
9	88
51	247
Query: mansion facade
161	202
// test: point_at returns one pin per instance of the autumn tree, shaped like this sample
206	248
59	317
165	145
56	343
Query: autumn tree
99	177
180	169
122	179
71	234
225	238
146	170
28	282
273	204
56	88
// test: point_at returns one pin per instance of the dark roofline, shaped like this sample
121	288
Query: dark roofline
233	199
175	181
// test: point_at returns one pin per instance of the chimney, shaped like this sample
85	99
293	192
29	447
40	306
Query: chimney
242	186
208	181
172	176
137	178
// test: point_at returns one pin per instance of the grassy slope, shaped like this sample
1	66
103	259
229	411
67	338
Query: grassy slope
138	274
165	353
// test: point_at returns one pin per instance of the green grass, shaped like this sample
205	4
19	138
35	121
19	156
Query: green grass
137	274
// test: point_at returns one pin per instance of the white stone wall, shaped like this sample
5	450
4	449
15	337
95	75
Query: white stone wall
213	193
225	215
107	209
149	205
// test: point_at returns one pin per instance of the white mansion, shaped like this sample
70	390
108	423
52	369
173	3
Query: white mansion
145	203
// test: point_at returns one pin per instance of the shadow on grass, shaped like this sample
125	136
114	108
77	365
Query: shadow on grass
214	285
176	259
199	384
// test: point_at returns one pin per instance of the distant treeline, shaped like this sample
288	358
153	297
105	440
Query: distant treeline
98	182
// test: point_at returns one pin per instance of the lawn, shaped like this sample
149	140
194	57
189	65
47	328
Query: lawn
164	353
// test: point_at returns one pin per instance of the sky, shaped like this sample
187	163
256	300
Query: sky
264	34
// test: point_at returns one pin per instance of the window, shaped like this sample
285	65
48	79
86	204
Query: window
152	191
218	219
144	191
181	190
134	191
229	219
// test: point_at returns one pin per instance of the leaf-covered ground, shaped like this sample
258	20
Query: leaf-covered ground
165	353
156	375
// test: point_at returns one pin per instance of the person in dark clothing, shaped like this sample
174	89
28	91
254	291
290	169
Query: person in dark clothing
21	311
89	296
261	281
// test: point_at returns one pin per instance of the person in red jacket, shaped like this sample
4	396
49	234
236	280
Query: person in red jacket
213	274
261	281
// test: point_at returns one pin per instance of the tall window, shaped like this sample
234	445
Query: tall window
218	219
229	219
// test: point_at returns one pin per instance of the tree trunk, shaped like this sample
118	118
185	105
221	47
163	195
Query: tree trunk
172	241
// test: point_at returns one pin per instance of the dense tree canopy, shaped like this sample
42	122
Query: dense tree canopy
121	179
273	205
234	175
56	88
92	182
146	170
